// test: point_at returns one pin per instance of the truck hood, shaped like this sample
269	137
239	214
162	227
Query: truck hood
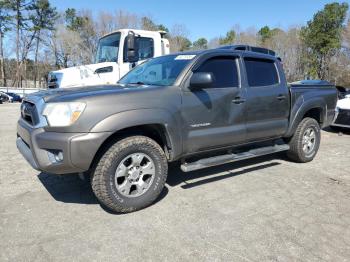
85	75
78	93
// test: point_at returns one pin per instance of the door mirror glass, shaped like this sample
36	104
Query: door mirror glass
131	48
201	80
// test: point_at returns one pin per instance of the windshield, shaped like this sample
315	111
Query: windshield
108	48
161	71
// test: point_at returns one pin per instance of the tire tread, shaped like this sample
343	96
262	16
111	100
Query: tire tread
295	152
100	176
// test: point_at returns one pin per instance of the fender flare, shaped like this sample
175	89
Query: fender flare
301	107
138	117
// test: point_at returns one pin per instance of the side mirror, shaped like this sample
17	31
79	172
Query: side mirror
132	52
201	80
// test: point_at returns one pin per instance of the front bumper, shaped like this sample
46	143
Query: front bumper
39	148
342	118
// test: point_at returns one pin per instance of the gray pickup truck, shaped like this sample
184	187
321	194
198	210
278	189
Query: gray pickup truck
202	108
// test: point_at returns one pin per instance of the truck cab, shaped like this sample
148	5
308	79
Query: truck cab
117	53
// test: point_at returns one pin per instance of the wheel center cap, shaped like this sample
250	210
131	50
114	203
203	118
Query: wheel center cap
134	173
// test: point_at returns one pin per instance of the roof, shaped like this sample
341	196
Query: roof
224	50
137	31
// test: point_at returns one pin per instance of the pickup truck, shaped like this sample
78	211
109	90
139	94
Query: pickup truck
200	109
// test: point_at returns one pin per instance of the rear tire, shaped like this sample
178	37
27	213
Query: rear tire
305	142
130	175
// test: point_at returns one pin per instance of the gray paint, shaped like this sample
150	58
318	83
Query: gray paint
194	121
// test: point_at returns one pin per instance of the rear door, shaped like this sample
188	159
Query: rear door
267	106
213	117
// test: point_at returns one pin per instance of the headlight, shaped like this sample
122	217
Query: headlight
63	114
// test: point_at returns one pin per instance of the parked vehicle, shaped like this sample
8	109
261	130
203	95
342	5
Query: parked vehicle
203	108
342	116
15	97
117	53
342	91
6	97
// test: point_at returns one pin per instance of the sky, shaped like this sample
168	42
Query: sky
207	18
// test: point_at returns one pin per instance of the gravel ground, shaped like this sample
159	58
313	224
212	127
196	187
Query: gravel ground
266	209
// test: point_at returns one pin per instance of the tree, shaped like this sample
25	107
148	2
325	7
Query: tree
264	34
73	21
5	20
229	38
125	19
43	18
19	7
105	23
214	42
201	43
322	37
346	36
80	28
179	38
289	48
89	37
148	24
247	37
31	18
181	43
162	27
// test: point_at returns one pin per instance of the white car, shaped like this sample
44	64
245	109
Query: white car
342	116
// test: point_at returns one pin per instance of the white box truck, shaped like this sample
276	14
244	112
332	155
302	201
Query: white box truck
117	53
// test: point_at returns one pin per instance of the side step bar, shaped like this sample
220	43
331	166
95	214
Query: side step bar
228	158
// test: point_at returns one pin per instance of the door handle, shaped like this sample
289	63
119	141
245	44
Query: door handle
281	97
238	100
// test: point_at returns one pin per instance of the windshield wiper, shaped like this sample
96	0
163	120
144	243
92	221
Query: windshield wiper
141	83
137	83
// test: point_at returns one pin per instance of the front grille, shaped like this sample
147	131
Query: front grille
343	117
29	113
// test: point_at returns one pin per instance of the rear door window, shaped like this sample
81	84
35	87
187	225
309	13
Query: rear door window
261	72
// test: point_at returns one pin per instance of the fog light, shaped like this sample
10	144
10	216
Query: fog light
55	156
58	156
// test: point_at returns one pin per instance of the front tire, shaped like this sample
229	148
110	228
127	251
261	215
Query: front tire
305	142
130	175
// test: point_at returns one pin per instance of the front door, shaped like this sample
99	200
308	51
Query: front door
213	117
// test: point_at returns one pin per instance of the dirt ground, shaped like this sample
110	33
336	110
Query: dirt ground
265	209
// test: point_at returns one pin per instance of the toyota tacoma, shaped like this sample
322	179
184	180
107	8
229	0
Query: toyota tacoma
200	109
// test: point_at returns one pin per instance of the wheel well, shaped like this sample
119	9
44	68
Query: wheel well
315	113
157	132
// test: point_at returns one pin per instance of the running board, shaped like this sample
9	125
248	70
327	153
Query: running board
228	158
